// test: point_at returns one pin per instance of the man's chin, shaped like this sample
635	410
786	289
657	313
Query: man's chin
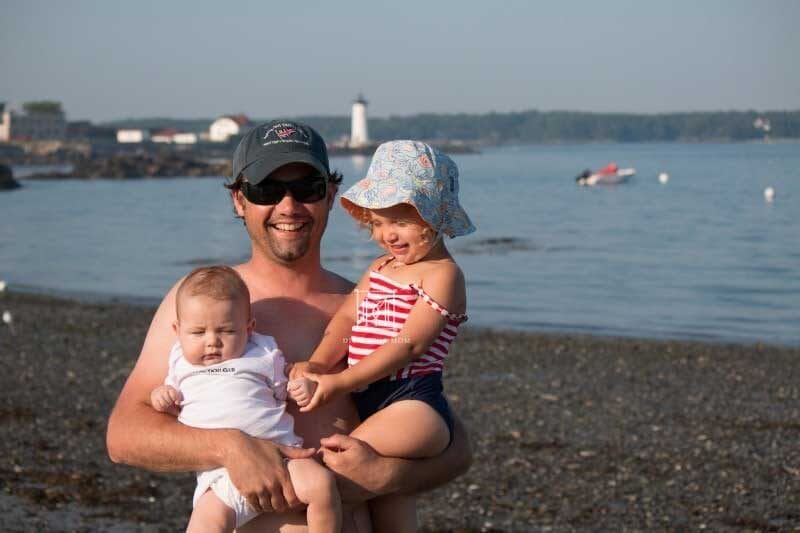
289	254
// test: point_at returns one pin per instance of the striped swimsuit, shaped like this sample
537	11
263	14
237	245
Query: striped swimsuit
381	315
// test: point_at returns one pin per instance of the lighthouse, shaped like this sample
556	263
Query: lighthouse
358	123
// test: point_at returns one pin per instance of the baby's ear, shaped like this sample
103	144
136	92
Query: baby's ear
175	327
251	326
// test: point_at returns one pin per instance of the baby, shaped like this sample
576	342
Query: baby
223	375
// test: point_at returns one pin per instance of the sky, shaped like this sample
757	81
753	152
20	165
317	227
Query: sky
107	60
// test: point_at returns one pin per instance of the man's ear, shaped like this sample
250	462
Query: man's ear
238	202
333	188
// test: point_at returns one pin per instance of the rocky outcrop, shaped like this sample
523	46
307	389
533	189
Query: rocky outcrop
7	181
141	166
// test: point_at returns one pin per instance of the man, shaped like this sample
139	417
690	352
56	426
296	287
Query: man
283	191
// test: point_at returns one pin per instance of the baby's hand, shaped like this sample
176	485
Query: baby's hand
301	390
166	399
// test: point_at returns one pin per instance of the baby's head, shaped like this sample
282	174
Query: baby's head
413	182
213	322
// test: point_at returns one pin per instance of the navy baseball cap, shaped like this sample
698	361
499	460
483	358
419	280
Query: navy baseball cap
273	144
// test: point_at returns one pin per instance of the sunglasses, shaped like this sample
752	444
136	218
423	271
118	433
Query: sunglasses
270	192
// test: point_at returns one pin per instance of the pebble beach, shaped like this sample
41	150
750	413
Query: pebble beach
569	433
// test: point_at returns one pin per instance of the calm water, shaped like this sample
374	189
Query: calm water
703	256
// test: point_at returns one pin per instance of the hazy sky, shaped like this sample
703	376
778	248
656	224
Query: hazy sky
116	59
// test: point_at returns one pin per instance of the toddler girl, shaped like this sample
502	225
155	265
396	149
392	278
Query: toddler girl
396	327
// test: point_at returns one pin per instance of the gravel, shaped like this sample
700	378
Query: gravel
569	432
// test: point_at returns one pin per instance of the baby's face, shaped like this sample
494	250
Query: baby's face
401	232
211	331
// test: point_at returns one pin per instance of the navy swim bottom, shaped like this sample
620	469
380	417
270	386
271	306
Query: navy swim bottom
383	393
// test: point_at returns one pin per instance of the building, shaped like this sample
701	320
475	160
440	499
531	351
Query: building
222	129
126	136
165	136
358	123
184	138
41	121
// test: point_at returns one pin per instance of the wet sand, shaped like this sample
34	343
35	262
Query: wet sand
569	432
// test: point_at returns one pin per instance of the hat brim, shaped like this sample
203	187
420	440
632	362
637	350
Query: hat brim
260	169
359	212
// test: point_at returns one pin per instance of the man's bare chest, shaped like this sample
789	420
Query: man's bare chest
295	325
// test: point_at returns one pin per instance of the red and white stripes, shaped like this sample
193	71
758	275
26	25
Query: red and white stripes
381	316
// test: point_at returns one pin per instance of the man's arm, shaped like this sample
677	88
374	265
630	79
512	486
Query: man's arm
140	436
363	474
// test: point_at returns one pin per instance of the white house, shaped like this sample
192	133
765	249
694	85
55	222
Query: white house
225	127
132	136
48	125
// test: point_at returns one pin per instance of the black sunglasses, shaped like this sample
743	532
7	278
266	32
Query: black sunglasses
270	192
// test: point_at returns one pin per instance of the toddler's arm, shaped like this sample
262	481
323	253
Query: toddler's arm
166	399
333	346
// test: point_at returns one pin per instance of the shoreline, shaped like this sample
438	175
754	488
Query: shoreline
145	302
569	432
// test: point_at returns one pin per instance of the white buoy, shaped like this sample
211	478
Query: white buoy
663	177
769	194
3	285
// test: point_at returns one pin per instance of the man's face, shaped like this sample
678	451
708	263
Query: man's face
289	229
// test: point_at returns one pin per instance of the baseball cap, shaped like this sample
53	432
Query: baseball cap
273	144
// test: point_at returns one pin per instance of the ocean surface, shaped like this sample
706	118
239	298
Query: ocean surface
703	256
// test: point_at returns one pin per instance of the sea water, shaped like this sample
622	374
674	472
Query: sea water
703	256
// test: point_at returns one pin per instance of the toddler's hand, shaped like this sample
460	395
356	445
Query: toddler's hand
301	390
166	399
299	370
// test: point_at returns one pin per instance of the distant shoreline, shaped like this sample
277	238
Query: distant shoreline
188	164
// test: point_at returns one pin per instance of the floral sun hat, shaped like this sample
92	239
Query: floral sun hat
411	172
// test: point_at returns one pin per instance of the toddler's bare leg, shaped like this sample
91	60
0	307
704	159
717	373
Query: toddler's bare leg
211	515
395	513
315	486
410	429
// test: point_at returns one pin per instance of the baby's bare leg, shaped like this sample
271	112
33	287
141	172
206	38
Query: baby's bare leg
315	486
211	515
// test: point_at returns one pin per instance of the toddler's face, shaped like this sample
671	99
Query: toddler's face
211	331
401	232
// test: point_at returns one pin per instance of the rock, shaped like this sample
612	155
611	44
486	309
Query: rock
7	181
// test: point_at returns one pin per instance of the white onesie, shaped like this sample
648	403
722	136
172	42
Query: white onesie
247	393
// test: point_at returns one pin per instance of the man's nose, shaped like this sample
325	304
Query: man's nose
288	205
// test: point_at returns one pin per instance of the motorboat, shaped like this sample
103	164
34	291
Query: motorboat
610	174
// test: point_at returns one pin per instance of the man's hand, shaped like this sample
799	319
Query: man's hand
258	470
328	387
301	390
358	467
166	399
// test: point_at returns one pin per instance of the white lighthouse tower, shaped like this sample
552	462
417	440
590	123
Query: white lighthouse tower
358	123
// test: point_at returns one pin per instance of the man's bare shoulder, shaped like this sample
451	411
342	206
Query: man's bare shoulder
337	284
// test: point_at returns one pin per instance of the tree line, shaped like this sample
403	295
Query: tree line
544	126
